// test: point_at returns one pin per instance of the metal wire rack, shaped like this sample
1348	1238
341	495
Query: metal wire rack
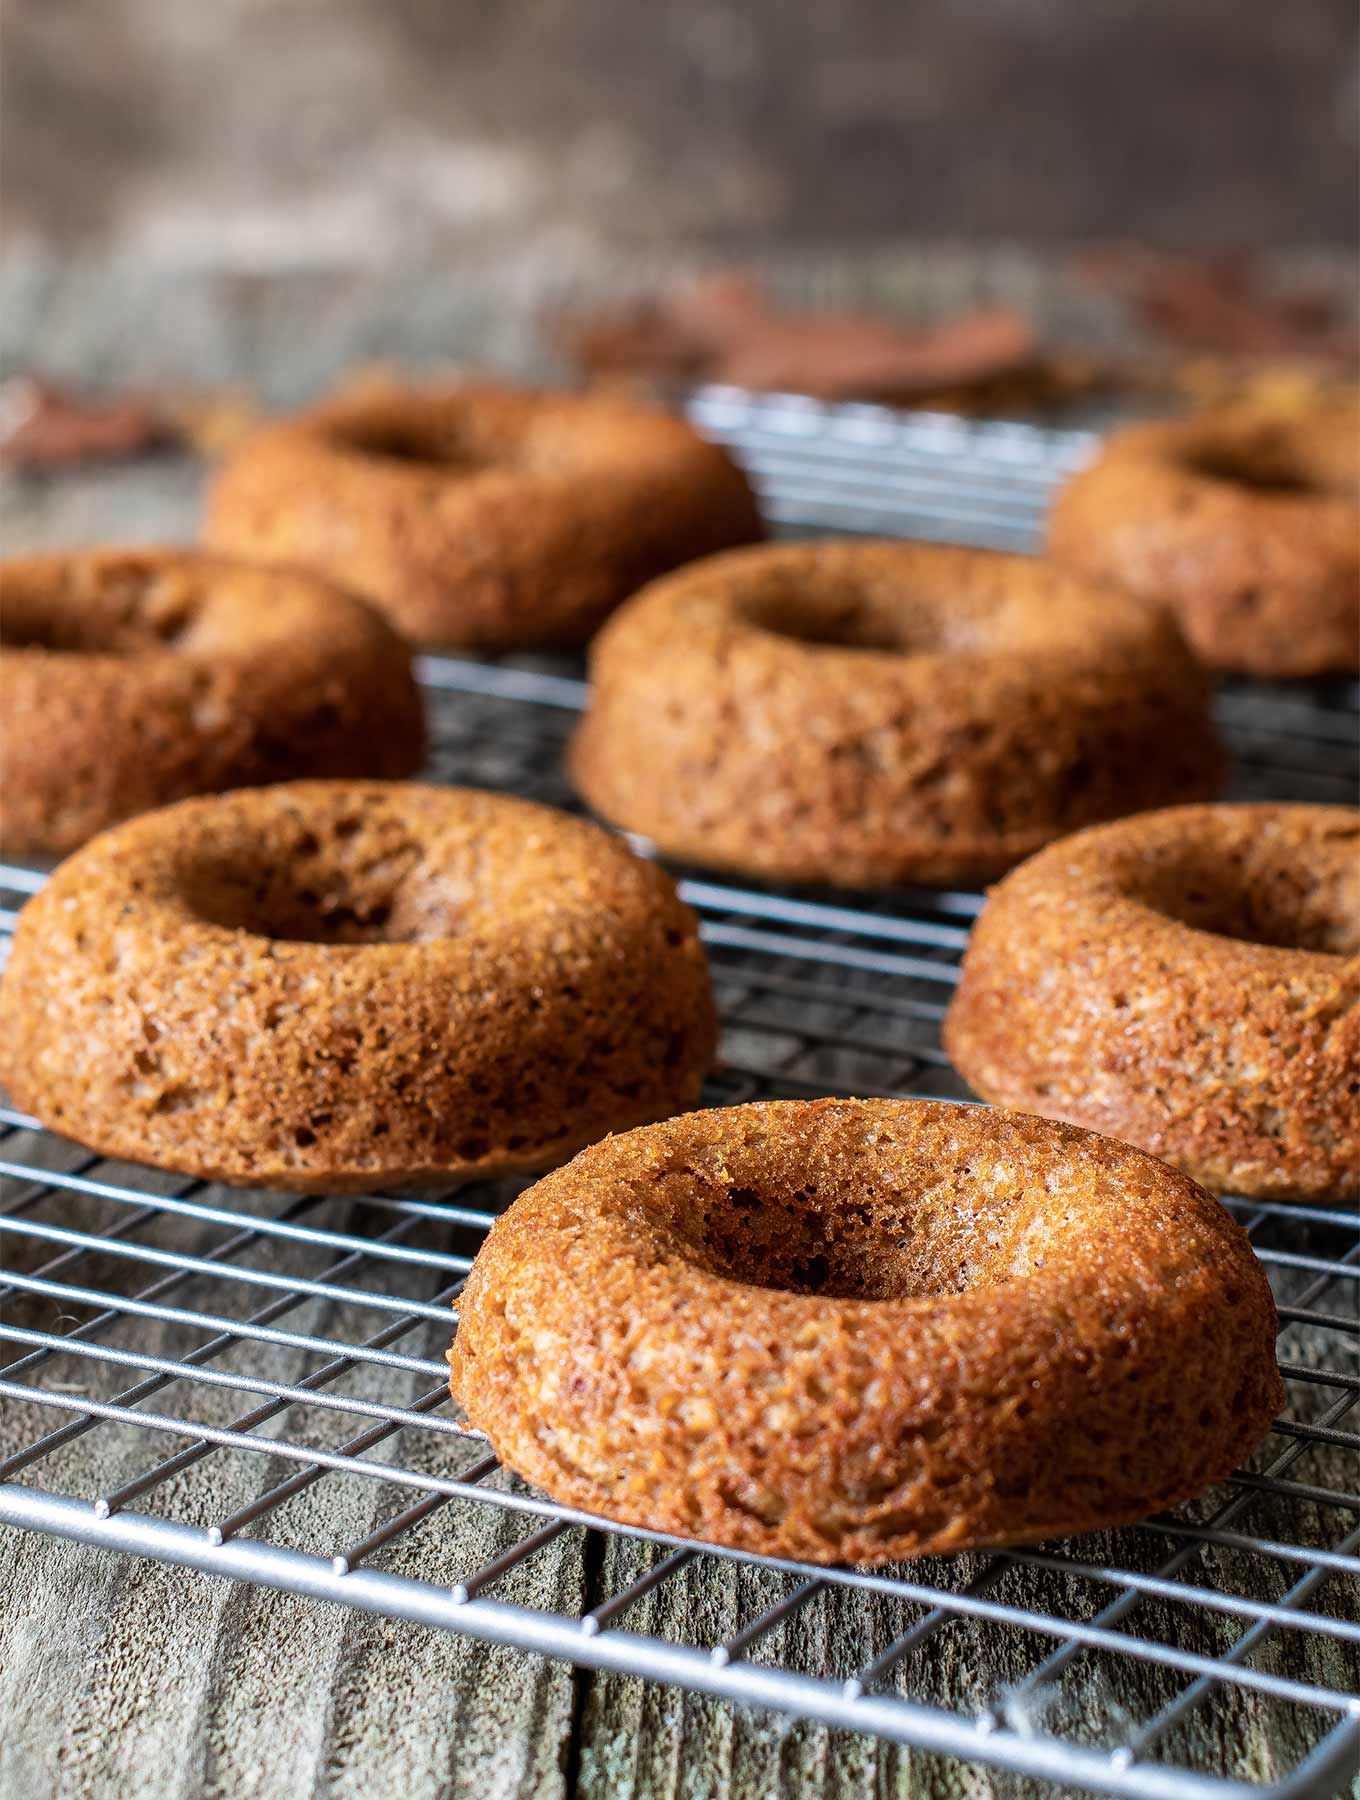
260	1346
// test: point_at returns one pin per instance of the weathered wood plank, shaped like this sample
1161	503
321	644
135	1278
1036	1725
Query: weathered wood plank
241	1692
968	1665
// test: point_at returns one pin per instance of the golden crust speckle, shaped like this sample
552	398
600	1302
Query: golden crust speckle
1244	524
330	985
866	1330
872	713
1188	981
134	677
486	517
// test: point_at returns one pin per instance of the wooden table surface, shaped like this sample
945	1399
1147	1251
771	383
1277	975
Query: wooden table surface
121	1677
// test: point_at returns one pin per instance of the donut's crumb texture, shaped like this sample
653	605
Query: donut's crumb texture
866	1330
1245	524
486	517
132	678
337	985
867	713
1188	981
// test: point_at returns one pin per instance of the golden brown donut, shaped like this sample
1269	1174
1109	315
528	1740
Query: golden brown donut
868	713
482	516
130	678
1189	981
859	1330
331	985
1245	524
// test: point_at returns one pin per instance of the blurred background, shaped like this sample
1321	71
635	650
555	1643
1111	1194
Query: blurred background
269	133
1034	208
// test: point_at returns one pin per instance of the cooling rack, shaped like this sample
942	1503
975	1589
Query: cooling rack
187	1367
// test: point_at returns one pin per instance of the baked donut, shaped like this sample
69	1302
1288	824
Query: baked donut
859	1330
481	516
134	677
1245	524
1189	981
330	985
867	713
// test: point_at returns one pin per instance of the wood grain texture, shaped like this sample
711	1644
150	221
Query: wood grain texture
121	1678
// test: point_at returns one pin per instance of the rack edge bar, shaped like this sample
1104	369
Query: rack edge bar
621	1652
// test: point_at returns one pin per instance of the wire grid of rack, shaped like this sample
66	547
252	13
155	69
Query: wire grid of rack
262	1346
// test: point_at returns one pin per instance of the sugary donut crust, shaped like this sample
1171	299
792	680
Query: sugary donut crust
1264	582
535	516
495	984
134	677
1066	1334
1100	985
745	713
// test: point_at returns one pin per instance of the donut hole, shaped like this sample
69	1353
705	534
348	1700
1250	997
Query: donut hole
843	616
346	882
444	438
861	1244
845	627
125	606
324	912
1283	906
954	603
1264	467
